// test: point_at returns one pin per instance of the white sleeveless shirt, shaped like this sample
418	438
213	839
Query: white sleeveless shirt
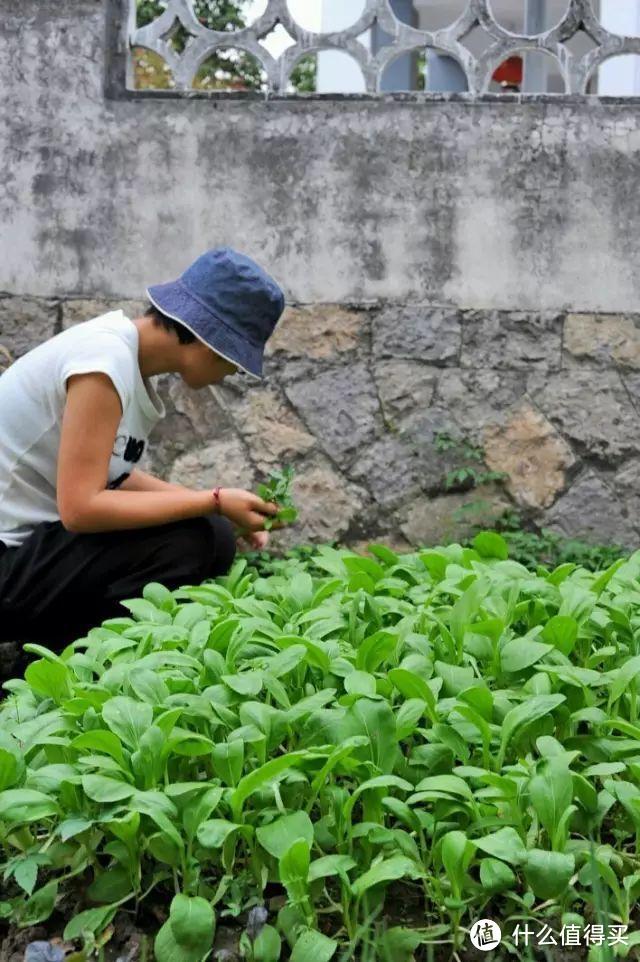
32	400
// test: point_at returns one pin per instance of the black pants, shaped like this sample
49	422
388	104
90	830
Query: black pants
58	585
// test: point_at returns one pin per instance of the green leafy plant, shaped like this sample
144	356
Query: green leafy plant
470	478
443	441
446	729
470	472
531	546
278	490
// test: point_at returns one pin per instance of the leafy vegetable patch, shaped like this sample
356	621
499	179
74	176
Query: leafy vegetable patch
447	729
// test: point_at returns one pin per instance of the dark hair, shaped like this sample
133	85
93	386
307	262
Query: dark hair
183	334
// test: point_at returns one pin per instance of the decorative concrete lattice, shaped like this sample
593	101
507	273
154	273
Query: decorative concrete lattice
575	71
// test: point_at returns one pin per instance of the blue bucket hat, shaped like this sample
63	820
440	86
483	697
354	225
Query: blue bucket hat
228	301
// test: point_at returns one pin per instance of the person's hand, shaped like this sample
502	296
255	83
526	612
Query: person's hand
245	509
253	541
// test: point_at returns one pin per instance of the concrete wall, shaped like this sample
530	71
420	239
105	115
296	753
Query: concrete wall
453	267
478	204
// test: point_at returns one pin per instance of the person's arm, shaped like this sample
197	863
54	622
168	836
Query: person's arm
141	481
85	504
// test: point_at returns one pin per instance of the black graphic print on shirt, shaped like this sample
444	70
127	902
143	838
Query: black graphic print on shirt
128	448
118	481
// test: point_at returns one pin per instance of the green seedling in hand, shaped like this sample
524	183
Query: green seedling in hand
278	490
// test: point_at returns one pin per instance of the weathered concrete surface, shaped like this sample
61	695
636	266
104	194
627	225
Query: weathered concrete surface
482	205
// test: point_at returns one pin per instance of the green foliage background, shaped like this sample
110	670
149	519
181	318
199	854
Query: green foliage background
224	69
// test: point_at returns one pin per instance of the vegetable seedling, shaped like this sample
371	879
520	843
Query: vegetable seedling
278	490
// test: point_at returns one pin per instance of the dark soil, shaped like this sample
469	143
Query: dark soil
128	943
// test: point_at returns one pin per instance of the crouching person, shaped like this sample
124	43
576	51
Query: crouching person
81	527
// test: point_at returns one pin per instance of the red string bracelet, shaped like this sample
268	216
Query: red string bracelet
216	500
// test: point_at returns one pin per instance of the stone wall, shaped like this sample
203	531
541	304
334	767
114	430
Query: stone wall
379	408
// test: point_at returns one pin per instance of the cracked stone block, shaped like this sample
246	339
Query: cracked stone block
591	510
500	339
626	486
631	383
274	434
193	418
6	358
390	469
468	400
25	322
626	481
533	455
406	390
427	334
399	465
77	310
201	408
318	333
340	407
452	517
589	406
603	338
223	462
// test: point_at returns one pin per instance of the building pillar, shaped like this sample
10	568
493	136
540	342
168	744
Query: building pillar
337	71
536	66
444	74
620	76
402	74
